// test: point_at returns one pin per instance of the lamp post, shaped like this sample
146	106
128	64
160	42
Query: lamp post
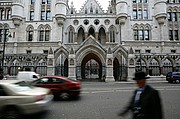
4	45
140	63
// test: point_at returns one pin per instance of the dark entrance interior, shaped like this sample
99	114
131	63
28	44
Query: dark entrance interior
116	69
62	69
119	70
91	68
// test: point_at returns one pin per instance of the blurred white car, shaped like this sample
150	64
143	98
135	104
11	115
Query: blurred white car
18	98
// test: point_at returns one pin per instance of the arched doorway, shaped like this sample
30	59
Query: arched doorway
120	69
91	68
61	68
116	69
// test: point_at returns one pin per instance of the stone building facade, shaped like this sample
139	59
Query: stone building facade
51	37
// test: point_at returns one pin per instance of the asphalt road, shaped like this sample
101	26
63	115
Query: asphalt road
101	100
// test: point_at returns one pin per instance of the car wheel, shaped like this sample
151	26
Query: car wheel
177	81
11	113
64	96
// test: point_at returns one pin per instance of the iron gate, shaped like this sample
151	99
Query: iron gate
120	73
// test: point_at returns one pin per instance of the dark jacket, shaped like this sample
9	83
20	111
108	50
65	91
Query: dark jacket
150	104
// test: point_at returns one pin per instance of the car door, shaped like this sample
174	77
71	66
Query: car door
58	85
42	82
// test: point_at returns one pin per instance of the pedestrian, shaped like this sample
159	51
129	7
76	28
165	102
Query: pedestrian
145	102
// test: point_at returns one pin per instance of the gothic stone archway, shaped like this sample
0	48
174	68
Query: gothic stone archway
91	68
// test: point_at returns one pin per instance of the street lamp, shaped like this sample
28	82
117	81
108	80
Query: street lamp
140	63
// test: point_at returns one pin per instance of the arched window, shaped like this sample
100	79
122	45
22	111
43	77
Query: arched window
4	32
141	33
112	34
70	35
30	33
47	34
136	35
147	33
44	33
140	11
2	14
8	13
41	34
81	35
173	17
102	35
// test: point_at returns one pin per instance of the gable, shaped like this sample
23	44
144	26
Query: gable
91	7
91	42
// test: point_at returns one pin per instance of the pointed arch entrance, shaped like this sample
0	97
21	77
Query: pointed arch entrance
91	68
119	69
61	67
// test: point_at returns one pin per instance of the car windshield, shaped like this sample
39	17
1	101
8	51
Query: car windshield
22	86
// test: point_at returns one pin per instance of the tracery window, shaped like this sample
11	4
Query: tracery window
2	13
46	10
4	32
5	13
140	9
8	13
70	35
44	33
47	34
173	1
173	17
30	31
112	34
141	32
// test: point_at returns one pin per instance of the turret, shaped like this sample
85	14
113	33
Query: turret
121	10
160	11
60	15
17	12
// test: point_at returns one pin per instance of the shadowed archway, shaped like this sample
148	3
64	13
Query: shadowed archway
91	68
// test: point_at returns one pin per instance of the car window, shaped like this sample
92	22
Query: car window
57	81
22	83
34	76
72	79
2	91
41	81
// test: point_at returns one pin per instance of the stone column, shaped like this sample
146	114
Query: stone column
72	66
96	36
131	67
107	36
147	71
160	70
86	35
50	67
109	68
75	37
51	63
